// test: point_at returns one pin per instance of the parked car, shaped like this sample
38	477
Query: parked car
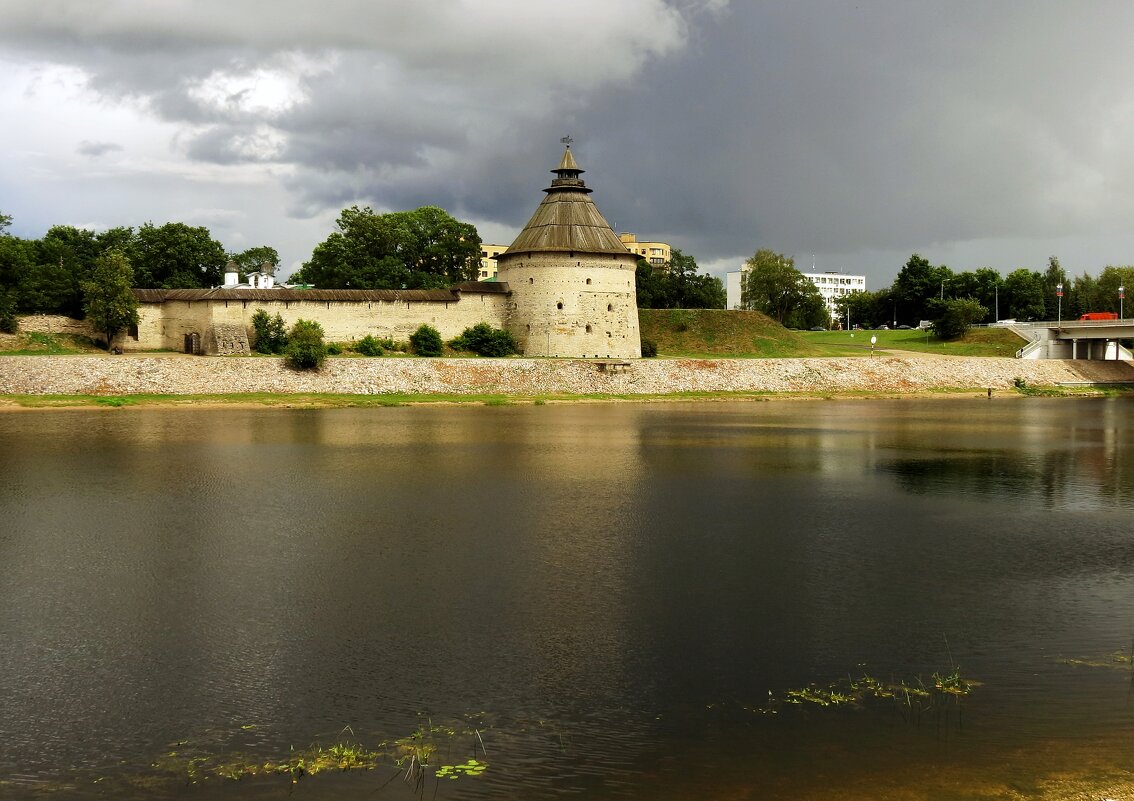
905	328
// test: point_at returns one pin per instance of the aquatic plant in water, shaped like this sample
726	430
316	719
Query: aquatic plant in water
410	755
854	691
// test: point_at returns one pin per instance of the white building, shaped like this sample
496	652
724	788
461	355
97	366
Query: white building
831	285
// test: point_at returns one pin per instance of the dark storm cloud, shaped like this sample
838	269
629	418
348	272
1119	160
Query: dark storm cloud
837	127
808	126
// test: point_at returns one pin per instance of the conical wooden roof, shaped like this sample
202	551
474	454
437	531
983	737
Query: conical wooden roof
567	219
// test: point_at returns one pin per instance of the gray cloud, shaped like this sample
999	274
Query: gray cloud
95	149
857	132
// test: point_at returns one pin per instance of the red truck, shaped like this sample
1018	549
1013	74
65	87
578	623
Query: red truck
1099	316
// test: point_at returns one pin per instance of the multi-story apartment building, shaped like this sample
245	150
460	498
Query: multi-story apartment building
656	253
488	254
833	285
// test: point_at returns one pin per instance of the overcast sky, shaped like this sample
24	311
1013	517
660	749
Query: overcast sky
849	133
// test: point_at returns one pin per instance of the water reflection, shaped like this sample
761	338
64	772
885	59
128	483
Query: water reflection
606	591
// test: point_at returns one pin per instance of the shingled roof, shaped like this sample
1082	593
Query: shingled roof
319	295
567	219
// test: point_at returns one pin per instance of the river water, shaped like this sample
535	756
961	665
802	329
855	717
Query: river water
594	600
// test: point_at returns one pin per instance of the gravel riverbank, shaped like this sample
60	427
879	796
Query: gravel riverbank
182	375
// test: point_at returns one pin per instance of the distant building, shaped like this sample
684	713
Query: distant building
832	285
656	253
488	254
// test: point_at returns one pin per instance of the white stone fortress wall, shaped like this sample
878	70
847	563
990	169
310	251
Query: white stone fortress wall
165	325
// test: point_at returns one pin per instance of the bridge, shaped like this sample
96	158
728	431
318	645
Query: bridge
1075	339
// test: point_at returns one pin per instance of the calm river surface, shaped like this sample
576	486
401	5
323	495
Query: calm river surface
611	600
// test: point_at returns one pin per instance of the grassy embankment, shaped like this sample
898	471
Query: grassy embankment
719	334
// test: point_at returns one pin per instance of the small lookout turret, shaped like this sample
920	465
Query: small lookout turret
571	278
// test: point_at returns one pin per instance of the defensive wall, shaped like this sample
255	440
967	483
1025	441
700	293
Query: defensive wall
177	374
221	319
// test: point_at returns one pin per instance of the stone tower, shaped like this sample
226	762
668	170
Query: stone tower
571	278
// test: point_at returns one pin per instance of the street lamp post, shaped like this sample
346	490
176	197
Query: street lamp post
996	290
1059	296
1121	297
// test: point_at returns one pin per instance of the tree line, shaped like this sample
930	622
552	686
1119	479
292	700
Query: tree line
950	301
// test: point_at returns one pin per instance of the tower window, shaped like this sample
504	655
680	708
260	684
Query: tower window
610	307
559	305
588	329
588	282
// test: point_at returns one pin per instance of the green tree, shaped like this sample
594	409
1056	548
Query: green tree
689	289
917	284
17	263
176	256
305	347
421	249
980	285
65	258
426	341
650	286
8	278
1023	295
1053	276
1110	280
772	285
955	316
269	334
250	260
677	285
108	301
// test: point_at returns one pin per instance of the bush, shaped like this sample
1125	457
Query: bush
269	335
305	348
369	346
649	348
334	349
484	340
955	317
426	341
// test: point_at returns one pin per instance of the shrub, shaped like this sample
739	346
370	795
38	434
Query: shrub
305	348
649	348
955	317
369	346
269	334
426	341
484	340
334	349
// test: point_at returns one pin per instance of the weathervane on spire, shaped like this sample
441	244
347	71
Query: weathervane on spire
567	140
